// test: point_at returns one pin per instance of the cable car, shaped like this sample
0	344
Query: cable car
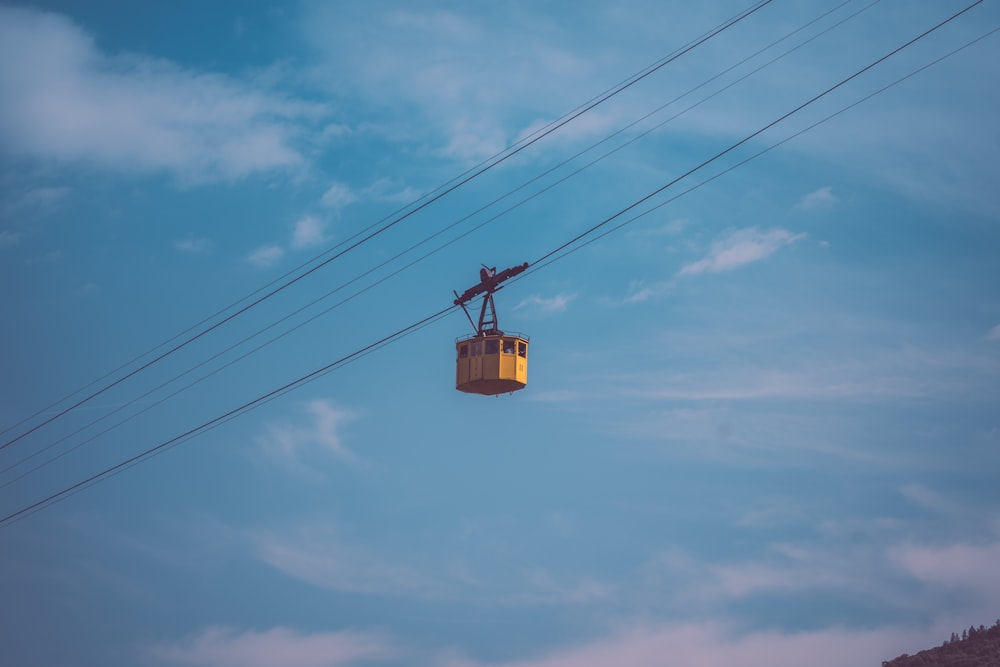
490	362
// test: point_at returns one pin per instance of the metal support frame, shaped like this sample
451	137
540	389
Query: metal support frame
489	282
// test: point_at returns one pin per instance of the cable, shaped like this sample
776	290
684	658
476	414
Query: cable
758	154
475	174
752	135
231	413
432	236
182	439
545	260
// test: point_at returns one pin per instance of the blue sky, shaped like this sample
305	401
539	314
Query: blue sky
760	426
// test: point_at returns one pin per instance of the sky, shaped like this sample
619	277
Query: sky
761	422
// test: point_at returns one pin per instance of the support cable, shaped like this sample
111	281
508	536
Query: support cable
452	225
545	260
235	412
475	174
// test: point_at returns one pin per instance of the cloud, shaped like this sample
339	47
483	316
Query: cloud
296	446
740	248
40	200
9	238
192	245
266	256
66	101
386	190
968	568
309	231
670	228
442	67
338	195
786	569
557	396
555	304
932	500
994	333
227	647
316	554
709	644
544	589
818	199
639	291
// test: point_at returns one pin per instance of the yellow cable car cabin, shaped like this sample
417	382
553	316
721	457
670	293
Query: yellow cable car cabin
490	362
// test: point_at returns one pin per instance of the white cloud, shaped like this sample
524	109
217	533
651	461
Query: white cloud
64	100
295	446
266	256
541	587
671	228
932	500
556	304
40	200
741	247
338	195
994	333
557	396
710	644
818	199
329	419
316	554
309	231
639	291
385	190
227	647
441	66
960	567
192	245
785	569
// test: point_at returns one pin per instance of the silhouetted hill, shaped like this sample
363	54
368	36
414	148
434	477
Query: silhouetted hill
977	647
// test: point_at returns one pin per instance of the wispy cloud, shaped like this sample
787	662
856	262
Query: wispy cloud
192	245
967	568
309	231
783	569
9	238
229	647
546	305
315	553
994	333
818	199
670	228
266	256
338	195
132	112
640	291
544	588
466	102
932	501
40	200
739	248
296	446
387	190
653	645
